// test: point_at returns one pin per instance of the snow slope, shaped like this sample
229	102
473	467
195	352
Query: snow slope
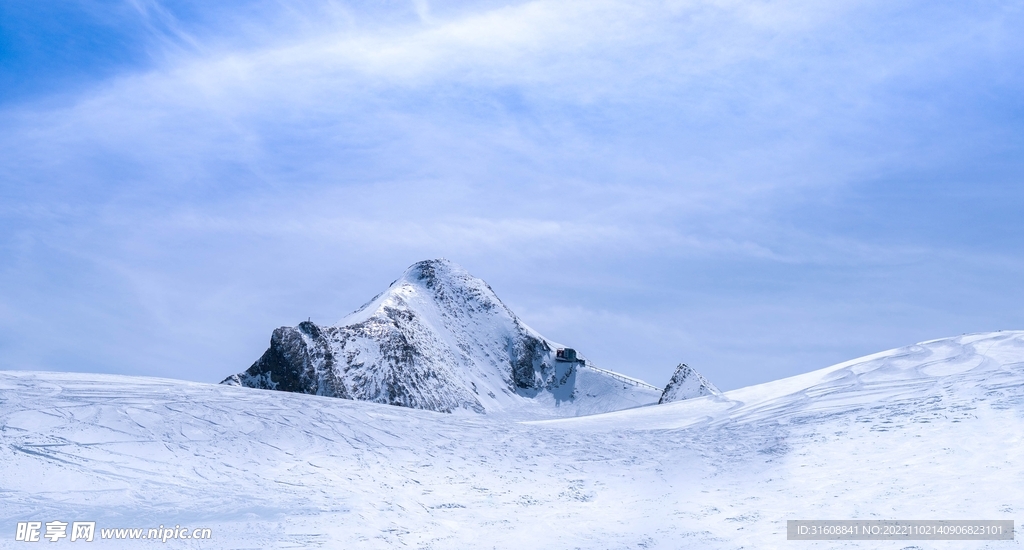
931	431
438	339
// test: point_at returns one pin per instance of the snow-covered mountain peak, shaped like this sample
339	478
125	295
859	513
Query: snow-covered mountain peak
441	274
438	287
440	339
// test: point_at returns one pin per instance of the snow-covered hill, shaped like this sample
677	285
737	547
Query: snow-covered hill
931	431
439	339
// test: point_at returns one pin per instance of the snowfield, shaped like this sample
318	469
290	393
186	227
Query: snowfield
930	431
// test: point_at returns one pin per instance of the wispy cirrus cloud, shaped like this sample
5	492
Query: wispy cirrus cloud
252	163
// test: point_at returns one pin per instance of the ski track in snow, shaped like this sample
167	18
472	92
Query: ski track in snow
932	431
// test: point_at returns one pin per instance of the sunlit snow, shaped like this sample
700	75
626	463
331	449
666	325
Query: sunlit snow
930	431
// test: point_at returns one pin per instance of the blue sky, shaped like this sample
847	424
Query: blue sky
758	189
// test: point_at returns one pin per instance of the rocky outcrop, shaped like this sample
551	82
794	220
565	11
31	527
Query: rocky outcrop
687	383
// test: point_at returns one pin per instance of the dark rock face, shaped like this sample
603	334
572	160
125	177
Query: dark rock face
299	360
687	383
527	356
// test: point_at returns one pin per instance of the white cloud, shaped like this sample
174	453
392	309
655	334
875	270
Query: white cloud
326	146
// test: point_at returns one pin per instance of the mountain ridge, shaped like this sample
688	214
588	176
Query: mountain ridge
438	339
